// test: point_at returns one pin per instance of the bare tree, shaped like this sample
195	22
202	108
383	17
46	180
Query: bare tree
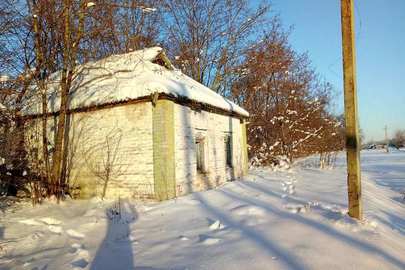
399	138
207	38
332	141
287	101
66	34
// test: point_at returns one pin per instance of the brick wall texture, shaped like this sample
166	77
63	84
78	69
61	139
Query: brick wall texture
150	150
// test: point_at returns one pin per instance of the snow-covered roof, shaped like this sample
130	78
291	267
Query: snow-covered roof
129	76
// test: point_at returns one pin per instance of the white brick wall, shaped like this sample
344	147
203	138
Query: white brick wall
188	124
129	129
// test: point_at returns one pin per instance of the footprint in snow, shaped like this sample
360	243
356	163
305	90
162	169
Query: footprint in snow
55	229
297	208
184	238
80	263
37	235
249	210
253	221
32	222
216	225
291	190
207	240
82	257
50	221
75	247
74	234
288	187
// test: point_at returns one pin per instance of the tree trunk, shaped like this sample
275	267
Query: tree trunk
45	153
106	180
57	181
42	88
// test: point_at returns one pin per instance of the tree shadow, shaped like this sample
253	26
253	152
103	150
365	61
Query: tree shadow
327	230
387	175
115	252
8	202
270	247
395	222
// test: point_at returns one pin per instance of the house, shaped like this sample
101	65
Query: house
154	131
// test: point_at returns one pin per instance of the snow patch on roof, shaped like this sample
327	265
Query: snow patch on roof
126	77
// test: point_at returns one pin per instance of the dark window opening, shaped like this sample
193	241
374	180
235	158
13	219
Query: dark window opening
228	150
200	152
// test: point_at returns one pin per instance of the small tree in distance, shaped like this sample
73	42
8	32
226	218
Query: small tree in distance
399	138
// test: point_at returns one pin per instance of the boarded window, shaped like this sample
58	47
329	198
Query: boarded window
228	150
200	152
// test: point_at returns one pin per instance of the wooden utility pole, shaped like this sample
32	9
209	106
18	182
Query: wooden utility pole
351	114
386	138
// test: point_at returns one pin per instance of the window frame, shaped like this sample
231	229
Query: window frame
228	150
200	151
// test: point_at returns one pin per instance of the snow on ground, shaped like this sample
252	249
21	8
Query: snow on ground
293	219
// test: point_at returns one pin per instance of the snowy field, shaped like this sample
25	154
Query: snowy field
292	219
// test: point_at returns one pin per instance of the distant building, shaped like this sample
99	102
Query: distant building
161	133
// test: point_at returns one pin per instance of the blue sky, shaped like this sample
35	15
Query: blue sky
380	30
